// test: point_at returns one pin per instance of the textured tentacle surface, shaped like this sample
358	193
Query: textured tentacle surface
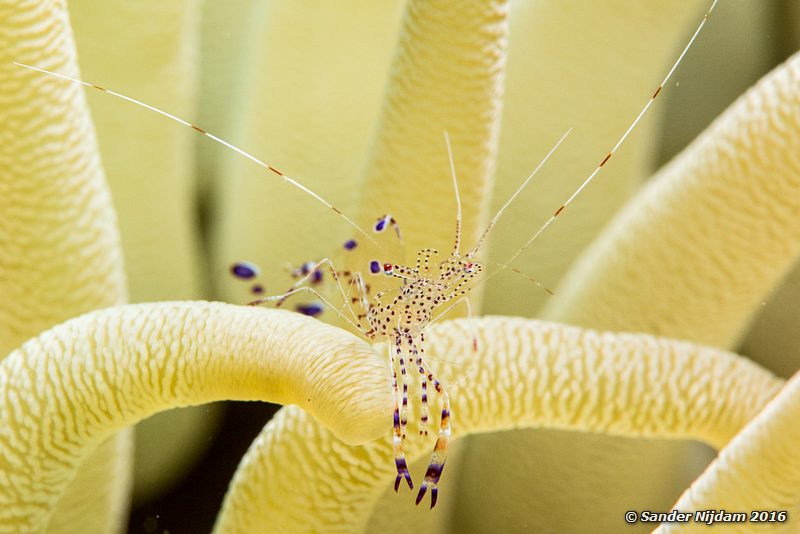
720	224
560	76
58	236
399	423
693	257
525	374
447	75
147	49
59	246
317	136
72	386
758	470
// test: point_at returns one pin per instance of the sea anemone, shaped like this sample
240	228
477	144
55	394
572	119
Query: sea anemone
351	99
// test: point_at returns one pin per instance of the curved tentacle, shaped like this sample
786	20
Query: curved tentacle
68	389
527	374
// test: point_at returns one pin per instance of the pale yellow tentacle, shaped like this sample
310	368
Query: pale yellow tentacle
590	66
597	90
148	50
59	247
758	470
447	74
526	374
311	88
71	387
695	254
98	499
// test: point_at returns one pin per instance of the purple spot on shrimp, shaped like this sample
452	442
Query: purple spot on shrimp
434	472
257	289
306	267
244	270
380	226
316	276
350	244
374	266
312	310
422	491
402	472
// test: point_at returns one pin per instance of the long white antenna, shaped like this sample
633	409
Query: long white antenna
511	199
457	245
213	138
608	156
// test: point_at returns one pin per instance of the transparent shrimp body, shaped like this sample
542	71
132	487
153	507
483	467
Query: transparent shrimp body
400	316
409	309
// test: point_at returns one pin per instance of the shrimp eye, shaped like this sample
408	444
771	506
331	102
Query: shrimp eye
388	269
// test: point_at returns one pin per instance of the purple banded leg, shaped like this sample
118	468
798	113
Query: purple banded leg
439	456
399	456
397	436
423	414
404	378
434	471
